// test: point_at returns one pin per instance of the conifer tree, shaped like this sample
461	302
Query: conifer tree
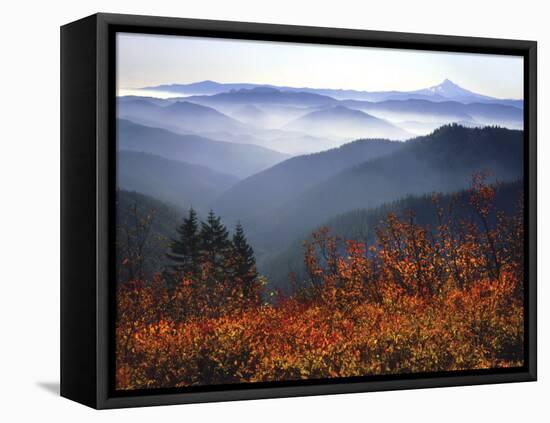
215	244
185	251
244	264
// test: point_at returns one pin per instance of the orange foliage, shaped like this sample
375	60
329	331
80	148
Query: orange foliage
420	300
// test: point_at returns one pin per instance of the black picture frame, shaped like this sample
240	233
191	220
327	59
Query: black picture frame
87	207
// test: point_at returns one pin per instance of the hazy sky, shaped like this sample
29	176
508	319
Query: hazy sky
148	60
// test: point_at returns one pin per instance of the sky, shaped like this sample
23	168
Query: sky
145	60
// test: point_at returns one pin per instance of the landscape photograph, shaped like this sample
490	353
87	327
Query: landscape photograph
290	212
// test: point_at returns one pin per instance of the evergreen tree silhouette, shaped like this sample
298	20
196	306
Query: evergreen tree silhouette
185	251
215	244
244	264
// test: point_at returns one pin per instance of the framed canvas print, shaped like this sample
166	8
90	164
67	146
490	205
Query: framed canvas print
255	211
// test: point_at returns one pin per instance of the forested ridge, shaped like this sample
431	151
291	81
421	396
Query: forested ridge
360	224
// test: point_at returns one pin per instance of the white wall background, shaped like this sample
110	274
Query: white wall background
29	209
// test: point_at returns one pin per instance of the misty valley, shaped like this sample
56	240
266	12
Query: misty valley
239	153
275	233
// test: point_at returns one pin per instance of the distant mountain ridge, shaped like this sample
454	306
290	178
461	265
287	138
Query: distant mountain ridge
445	111
340	121
182	115
187	118
202	87
446	90
259	95
301	122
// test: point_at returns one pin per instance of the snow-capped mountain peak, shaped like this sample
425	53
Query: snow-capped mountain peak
448	89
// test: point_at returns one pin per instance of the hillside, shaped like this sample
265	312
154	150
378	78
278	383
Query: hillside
172	181
361	224
163	227
239	160
342	122
180	115
273	187
443	161
251	115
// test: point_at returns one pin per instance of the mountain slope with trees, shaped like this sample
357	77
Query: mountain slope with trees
360	225
271	188
443	161
144	228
